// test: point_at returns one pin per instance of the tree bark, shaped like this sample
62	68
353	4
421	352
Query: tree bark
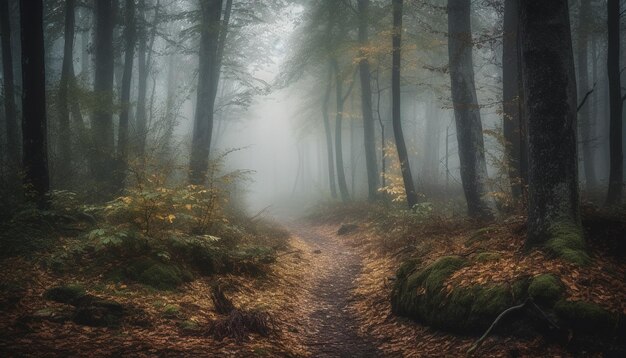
65	149
584	114
550	105
34	124
369	138
511	97
207	75
10	111
130	33
466	111
411	195
102	118
616	173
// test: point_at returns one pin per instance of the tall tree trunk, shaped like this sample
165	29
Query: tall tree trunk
34	129
329	134
102	118
369	138
203	123
13	148
403	156
511	97
469	127
341	175
65	149
129	55
142	81
550	105
616	174
85	58
584	115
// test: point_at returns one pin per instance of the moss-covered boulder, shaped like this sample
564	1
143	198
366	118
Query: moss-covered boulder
567	241
419	294
546	289
157	274
96	312
586	317
69	294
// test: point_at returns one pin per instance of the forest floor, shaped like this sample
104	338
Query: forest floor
327	296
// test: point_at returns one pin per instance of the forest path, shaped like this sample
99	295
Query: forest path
333	330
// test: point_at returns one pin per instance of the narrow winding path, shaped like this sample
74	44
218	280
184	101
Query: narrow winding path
335	329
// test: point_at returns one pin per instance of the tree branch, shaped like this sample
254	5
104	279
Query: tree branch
585	98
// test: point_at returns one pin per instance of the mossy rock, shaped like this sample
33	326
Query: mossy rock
156	274
420	294
566	240
586	317
487	256
96	312
546	289
189	326
69	294
479	236
53	314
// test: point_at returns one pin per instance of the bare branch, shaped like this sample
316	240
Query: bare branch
585	98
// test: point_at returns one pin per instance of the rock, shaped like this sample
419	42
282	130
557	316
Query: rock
53	314
347	229
68	294
97	312
317	252
546	289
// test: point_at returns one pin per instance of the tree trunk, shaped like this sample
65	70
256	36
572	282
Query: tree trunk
207	75
511	97
102	118
129	55
403	156
466	111
329	134
550	105
616	173
369	138
65	150
341	175
9	87
584	114
34	129
142	82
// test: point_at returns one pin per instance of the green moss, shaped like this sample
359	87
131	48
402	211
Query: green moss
421	295
407	267
171	311
479	235
487	256
65	294
586	317
189	325
156	274
566	240
546	289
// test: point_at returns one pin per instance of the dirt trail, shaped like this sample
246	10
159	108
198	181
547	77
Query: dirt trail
333	330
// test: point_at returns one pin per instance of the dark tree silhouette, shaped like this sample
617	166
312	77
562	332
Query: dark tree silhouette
9	85
411	195
469	128
616	175
550	103
130	33
366	102
102	117
34	123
